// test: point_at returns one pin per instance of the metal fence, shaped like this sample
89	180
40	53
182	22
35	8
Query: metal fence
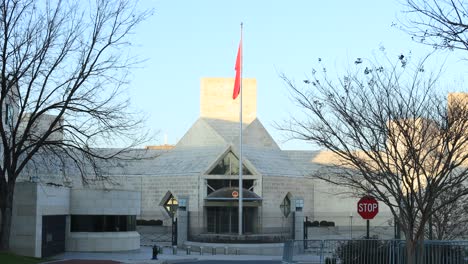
441	252
150	235
372	251
265	229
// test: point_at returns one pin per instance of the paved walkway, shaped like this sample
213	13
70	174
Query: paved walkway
144	254
84	261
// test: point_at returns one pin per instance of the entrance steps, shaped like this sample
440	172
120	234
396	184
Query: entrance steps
202	248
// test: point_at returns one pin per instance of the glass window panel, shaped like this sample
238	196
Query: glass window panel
286	206
103	223
171	205
218	184
229	165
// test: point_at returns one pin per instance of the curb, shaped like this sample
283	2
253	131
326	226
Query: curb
161	261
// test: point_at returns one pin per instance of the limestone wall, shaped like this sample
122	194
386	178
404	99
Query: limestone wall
275	189
216	99
24	221
103	241
332	203
30	202
104	202
153	189
322	201
53	200
42	125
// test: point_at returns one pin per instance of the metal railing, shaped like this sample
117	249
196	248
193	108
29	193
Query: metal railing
261	230
441	252
372	251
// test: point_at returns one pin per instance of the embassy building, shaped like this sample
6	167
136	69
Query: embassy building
194	186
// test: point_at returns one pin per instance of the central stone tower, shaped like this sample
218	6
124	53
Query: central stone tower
216	99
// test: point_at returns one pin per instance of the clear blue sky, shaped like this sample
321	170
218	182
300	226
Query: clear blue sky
187	40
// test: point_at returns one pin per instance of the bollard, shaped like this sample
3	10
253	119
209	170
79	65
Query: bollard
288	251
226	251
189	250
174	250
201	250
213	251
155	252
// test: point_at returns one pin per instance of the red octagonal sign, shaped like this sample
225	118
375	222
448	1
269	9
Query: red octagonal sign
368	207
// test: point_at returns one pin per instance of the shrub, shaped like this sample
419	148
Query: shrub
152	222
310	224
327	223
372	250
362	251
323	223
317	223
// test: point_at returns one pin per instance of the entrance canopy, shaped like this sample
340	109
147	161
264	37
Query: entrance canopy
229	196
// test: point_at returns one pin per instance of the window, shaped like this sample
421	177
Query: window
103	223
215	184
171	205
229	165
286	206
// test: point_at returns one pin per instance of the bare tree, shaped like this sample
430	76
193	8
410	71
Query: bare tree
63	65
393	135
451	221
440	23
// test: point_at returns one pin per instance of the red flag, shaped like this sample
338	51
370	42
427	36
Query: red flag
237	82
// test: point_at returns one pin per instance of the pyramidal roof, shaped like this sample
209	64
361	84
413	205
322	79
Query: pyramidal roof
259	149
201	134
216	133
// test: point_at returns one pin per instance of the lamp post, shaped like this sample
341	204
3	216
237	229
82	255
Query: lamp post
172	205
351	224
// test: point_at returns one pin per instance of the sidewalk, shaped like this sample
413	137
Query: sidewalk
144	254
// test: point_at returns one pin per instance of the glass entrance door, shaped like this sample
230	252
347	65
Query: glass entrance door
224	220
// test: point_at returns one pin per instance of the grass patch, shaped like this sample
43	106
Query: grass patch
10	258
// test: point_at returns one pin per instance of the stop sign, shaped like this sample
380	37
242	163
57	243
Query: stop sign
367	207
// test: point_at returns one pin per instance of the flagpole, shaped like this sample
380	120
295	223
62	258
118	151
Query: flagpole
240	143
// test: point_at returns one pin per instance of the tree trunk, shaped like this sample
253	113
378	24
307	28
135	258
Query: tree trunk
415	250
411	251
6	211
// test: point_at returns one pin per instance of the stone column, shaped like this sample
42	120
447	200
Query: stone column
298	225
182	221
298	204
182	227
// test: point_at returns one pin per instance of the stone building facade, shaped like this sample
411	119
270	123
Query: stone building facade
199	174
48	219
193	171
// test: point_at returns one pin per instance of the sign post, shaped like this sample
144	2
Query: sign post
368	208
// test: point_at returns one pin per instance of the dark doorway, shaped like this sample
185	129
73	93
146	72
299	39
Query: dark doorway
225	220
174	231
53	235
